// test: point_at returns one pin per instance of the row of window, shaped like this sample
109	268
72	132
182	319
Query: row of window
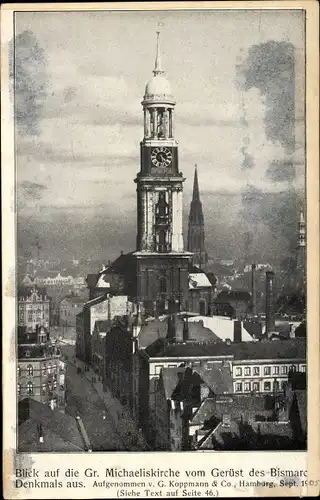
247	371
30	387
48	369
267	386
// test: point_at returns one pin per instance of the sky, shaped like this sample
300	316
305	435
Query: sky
238	80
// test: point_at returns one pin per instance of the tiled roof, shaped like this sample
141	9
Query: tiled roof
204	412
218	377
31	413
170	379
243	405
282	349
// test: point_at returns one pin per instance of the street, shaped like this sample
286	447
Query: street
83	400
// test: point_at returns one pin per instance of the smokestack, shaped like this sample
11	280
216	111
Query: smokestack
270	322
172	320
186	329
40	433
237	331
253	290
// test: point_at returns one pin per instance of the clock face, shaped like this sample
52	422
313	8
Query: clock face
161	157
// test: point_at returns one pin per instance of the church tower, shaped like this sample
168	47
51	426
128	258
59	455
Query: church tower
162	263
196	227
301	248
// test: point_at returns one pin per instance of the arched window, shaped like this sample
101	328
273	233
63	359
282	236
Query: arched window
19	389
30	370
162	241
163	284
49	368
30	388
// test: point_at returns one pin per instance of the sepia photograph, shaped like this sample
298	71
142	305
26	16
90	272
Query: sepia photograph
160	222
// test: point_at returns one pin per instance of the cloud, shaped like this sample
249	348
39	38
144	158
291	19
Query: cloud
31	82
270	67
281	170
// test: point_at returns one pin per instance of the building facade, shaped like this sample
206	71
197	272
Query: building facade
33	307
69	307
196	234
161	262
40	369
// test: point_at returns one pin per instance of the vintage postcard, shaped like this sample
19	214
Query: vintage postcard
160	202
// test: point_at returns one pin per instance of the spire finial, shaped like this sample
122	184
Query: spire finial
195	195
157	65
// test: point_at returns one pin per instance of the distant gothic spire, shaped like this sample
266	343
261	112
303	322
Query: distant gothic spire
157	64
196	235
195	195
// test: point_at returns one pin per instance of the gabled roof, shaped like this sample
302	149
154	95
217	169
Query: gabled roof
204	412
170	379
218	378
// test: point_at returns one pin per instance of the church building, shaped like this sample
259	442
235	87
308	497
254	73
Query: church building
156	274
162	263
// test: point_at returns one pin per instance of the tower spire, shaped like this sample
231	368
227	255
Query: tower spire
157	64
196	226
195	195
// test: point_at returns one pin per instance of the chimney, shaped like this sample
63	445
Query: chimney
237	331
253	290
137	324
40	433
270	322
226	420
186	329
172	320
155	309
109	308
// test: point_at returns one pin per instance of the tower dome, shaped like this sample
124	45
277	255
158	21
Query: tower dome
158	88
